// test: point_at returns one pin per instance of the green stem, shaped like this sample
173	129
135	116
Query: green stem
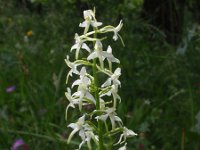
100	123
98	106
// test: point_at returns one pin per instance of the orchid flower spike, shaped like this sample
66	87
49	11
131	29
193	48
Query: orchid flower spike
95	97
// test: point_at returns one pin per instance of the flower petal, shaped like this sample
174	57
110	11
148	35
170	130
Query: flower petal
77	82
84	24
96	24
84	46
89	96
123	147
102	117
107	83
93	55
75	46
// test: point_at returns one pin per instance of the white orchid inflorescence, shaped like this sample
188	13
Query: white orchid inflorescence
92	63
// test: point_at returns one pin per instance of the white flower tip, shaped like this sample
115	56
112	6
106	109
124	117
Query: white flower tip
88	14
109	49
83	71
82	119
98	45
72	125
66	61
117	61
97	118
118	71
123	147
76	36
120	25
81	24
131	133
68	90
66	94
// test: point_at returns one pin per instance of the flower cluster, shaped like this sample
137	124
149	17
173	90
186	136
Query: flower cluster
91	64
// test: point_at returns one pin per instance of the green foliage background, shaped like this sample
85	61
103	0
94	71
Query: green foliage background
160	88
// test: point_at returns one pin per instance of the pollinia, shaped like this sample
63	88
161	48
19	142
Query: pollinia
96	88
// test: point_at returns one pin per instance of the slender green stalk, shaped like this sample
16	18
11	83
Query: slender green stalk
98	106
100	132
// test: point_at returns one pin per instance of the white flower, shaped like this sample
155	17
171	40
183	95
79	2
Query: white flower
126	134
83	88
113	29
72	101
78	126
111	58
99	53
78	45
116	30
89	17
123	147
89	135
110	112
73	67
113	78
114	92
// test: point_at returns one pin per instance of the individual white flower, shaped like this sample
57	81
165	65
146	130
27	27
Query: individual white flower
78	126
110	112
123	147
79	43
72	101
89	135
72	66
126	134
109	55
113	78
116	30
90	19
83	88
88	14
99	53
113	29
114	92
111	58
83	82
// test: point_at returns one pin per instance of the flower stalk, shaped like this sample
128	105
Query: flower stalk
94	69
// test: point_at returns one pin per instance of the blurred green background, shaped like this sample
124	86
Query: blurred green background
160	70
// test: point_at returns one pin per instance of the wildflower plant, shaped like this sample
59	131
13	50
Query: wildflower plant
100	127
